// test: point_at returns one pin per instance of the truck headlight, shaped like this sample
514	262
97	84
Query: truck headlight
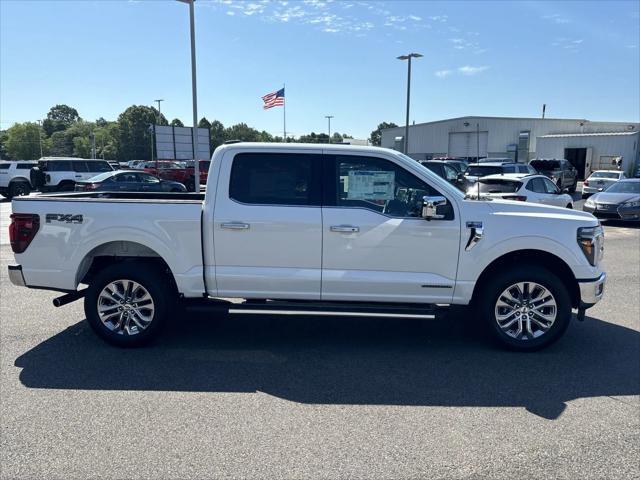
591	241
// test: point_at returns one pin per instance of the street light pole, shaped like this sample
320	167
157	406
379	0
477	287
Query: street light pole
194	92
159	111
406	125
329	117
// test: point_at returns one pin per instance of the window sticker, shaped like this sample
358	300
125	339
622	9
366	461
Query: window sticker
371	185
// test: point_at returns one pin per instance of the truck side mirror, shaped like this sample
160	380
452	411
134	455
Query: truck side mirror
430	207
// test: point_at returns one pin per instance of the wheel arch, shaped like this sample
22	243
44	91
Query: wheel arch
540	258
113	252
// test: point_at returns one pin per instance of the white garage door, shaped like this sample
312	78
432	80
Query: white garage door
465	144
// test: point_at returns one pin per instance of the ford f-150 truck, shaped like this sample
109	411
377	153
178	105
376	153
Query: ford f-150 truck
314	230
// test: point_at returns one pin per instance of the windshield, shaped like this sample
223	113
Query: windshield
614	175
483	170
624	187
101	178
497	186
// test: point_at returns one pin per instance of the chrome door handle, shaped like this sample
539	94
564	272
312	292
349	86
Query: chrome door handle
344	228
235	225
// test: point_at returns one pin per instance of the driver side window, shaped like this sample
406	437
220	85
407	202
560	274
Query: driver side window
379	185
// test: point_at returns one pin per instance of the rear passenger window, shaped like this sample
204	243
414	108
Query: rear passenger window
536	185
59	166
509	169
4	166
24	166
80	166
99	167
276	179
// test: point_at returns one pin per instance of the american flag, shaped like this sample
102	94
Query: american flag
273	99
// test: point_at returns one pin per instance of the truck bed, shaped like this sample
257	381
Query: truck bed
74	228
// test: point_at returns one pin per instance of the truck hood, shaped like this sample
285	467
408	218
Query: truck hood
524	209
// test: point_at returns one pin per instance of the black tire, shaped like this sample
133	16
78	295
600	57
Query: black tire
18	189
570	205
66	186
154	279
489	295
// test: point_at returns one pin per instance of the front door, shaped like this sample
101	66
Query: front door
376	247
268	226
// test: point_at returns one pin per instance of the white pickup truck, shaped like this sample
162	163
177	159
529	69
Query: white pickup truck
314	230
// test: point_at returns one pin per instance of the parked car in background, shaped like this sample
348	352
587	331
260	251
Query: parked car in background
62	173
600	180
458	163
15	177
560	171
482	169
128	181
137	164
497	160
621	201
446	171
522	187
204	169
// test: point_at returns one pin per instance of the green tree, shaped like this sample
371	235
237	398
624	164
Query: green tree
176	122
134	132
23	141
60	144
204	123
60	117
376	135
4	155
217	134
242	132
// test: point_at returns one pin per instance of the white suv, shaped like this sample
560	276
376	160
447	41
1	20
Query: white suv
522	187
62	173
14	178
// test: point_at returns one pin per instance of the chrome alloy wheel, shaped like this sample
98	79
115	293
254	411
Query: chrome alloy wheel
525	310
125	307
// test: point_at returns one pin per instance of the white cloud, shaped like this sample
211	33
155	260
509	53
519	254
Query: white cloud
231	13
567	43
556	18
470	70
439	18
443	73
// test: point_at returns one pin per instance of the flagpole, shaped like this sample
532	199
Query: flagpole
284	113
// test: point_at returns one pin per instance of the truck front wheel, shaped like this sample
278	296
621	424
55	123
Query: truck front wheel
128	303
527	308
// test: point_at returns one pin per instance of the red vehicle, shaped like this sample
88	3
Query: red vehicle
178	171
204	169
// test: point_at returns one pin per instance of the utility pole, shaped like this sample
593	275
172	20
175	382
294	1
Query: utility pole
329	117
92	135
194	93
159	111
40	136
406	127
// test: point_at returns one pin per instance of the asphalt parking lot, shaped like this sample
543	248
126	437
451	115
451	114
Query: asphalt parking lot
300	397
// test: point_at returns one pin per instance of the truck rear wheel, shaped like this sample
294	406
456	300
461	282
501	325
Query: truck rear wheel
526	309
127	304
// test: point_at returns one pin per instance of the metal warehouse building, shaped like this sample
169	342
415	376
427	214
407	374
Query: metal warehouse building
587	145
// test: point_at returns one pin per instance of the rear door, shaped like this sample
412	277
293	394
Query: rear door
376	246
267	224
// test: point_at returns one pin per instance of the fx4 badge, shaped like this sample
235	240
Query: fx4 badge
63	217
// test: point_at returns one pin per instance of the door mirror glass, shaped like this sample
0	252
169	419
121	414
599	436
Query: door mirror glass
430	207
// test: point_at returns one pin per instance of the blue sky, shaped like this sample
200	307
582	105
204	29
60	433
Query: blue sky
336	58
